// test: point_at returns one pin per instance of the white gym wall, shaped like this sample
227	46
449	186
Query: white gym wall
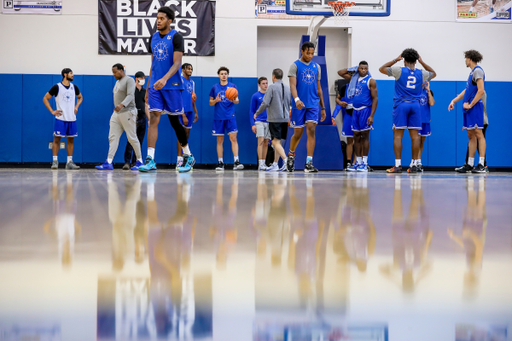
36	44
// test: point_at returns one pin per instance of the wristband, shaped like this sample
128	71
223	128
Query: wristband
394	60
297	99
322	108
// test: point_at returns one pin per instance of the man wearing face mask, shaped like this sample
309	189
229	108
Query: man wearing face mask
142	117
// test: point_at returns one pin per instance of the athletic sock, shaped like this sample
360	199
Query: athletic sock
418	162
365	160
291	153
109	160
186	150
180	159
55	158
471	9
274	164
70	159
359	160
236	158
140	160
482	160
221	160
285	160
471	161
398	162
309	158
151	152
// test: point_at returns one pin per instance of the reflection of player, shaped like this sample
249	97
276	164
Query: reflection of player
304	76
222	229
307	248
406	106
65	226
355	232
472	238
362	95
123	219
170	248
411	240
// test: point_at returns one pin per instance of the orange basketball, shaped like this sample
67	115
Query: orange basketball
231	93
194	97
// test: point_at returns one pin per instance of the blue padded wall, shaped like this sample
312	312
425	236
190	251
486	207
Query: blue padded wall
28	126
11	128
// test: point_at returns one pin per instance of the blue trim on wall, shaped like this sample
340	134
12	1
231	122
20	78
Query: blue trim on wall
28	126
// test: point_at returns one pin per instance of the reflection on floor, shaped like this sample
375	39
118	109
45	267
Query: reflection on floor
255	256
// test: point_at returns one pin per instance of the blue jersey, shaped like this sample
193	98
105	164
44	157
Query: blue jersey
471	88
188	90
425	107
225	109
256	100
363	95
307	87
163	59
409	86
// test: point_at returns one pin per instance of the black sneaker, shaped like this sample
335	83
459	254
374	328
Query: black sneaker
309	168
420	168
237	165
348	165
464	169
370	169
479	169
220	166
290	163
413	169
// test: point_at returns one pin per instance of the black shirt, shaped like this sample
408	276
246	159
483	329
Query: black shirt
140	103
177	42
54	91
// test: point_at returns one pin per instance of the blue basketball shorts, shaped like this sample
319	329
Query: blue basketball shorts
360	118
346	129
301	117
65	128
165	101
425	130
221	127
474	117
407	115
190	117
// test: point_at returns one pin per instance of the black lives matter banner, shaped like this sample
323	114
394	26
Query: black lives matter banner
125	26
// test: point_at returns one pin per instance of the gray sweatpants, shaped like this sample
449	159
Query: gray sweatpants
123	121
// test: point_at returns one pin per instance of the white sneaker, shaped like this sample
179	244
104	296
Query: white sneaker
273	168
262	167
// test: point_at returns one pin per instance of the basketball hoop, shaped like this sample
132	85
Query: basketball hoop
341	10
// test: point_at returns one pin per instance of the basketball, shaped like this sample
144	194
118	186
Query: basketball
231	93
194	97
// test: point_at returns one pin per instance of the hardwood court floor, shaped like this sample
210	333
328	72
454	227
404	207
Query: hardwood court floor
89	255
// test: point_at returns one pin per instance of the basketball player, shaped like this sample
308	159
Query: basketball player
260	124
406	103
123	118
277	100
190	114
304	76
426	101
142	117
165	86
473	110
362	94
65	94
346	126
224	120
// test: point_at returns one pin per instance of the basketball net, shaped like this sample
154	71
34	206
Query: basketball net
340	11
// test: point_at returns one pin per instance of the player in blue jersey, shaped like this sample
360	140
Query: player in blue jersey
363	96
473	110
190	114
406	103
426	101
224	120
165	87
260	125
307	106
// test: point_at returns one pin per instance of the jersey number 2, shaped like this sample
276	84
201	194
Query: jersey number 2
411	83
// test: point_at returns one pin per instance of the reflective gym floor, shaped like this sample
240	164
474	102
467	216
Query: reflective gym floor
242	256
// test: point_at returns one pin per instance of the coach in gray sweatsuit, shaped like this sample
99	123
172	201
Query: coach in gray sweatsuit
124	117
277	101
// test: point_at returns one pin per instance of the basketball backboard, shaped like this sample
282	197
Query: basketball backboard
365	8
